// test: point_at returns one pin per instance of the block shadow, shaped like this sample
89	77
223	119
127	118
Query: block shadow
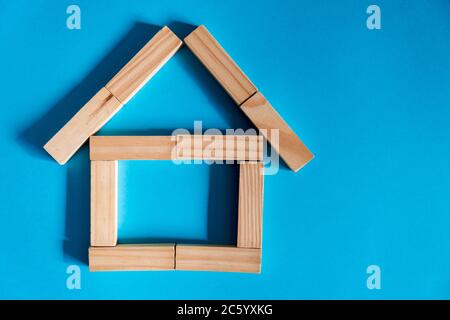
77	230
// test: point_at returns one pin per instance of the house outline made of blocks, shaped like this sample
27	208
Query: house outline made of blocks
105	254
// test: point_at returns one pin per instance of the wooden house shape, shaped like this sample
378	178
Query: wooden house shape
105	254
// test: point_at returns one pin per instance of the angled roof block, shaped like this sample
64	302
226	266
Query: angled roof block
277	131
246	95
250	209
88	120
220	64
110	99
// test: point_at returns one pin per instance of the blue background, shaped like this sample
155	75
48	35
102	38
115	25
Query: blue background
374	106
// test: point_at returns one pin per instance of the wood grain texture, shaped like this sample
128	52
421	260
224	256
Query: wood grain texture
180	147
251	191
144	65
220	64
217	258
220	147
266	118
132	147
104	203
132	257
87	121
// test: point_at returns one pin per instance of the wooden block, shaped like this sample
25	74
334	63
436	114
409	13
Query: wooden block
220	64
144	65
83	124
131	147
132	257
205	147
217	258
220	147
104	203
266	118
251	190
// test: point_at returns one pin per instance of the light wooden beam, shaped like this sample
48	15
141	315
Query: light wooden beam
251	189
104	203
144	65
217	258
246	95
220	64
180	147
266	118
87	121
131	147
132	257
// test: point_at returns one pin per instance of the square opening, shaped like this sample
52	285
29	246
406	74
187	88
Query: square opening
149	197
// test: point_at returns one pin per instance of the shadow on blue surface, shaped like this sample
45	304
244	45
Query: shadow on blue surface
222	207
77	234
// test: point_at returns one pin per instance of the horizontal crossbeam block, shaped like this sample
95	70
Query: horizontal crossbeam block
180	147
125	257
220	147
217	258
